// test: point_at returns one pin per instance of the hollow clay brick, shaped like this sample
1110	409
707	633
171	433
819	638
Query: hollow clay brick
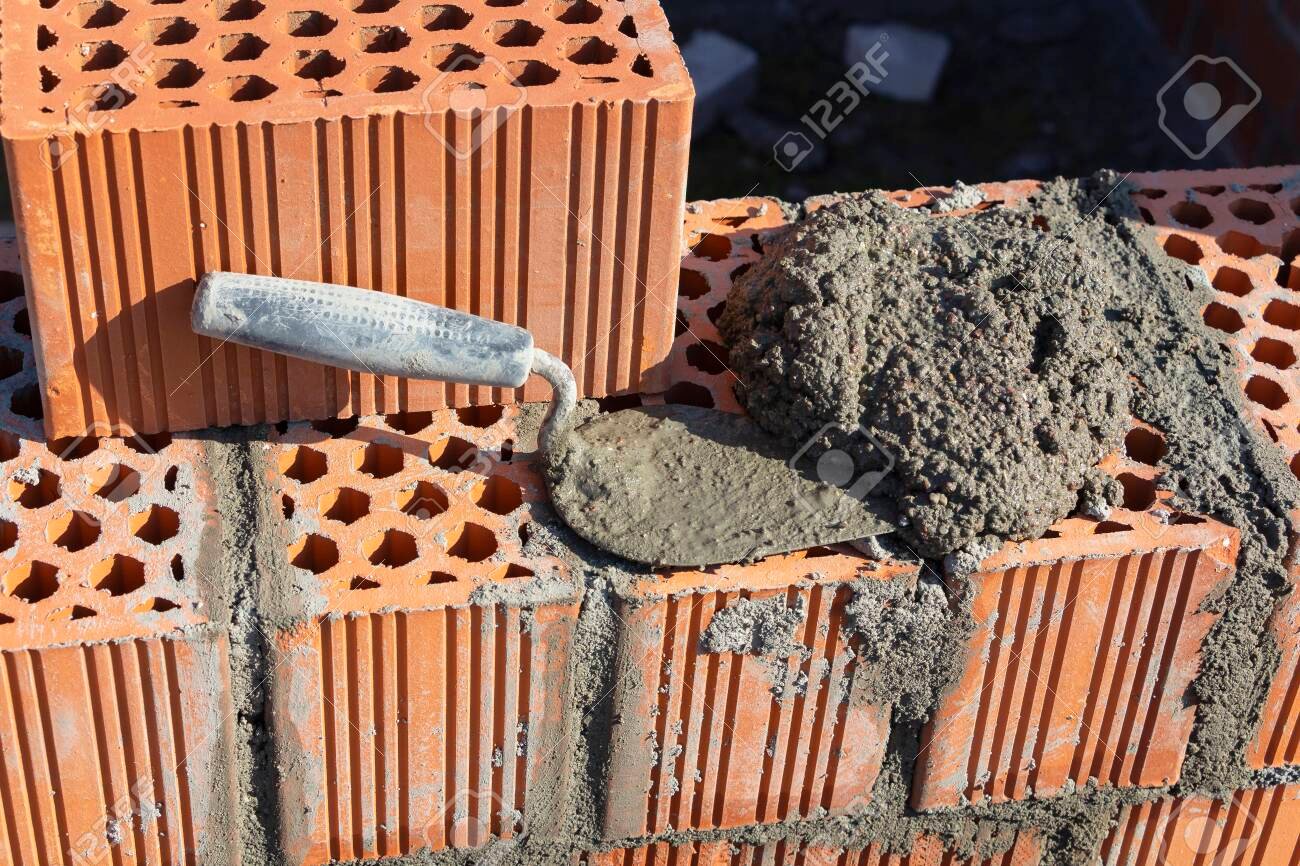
1084	646
721	740
421	702
526	163
1021	849
1255	826
115	710
1278	740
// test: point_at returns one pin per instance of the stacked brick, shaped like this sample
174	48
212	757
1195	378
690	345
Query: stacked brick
525	163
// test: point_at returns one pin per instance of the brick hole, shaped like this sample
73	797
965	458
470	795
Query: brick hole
287	506
36	494
71	614
157	604
590	51
1232	281
1188	520
237	10
1223	318
424	500
500	4
168	31
362	583
1210	189
482	417
73	531
26	401
453	454
692	284
1291	246
1139	493
444	18
1275	353
1270	188
1252	211
389	79
689	394
156	525
514	572
11	362
391	548
45	38
178	568
178	74
531	73
707	356
1145	446
240	47
409	423
1241	245
440	577
11	286
381	39
619	402
1152	193
304	465
575	11
115	482
373	7
1295	470
118	575
1146	216
315	64
336	428
713	247
1050	533
628	27
8	535
6	620
378	460
715	312
98	56
642	66
1191	214
95	14
345	505
148	444
1184	248
472	543
9	446
315	553
32	582
22	324
599	79
680	325
498	495
170	478
515	33
245	88
1266	392
741	271
309	25
1106	527
49	81
1288	277
1283	315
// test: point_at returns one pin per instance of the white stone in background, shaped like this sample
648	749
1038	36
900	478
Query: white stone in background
725	73
915	62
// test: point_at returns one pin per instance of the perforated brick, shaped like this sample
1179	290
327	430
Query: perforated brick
525	162
421	702
1085	644
115	709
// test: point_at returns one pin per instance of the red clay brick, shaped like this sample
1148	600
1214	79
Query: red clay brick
1085	643
1278	739
115	707
253	137
701	741
414	707
1023	849
1256	827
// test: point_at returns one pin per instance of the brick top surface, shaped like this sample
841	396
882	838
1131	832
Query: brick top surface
83	66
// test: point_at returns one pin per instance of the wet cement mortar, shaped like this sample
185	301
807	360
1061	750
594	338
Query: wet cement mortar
913	634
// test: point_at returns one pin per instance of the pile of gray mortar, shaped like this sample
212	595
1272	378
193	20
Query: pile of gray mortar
974	351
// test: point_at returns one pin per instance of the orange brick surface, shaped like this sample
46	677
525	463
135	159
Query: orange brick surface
525	162
1256	827
422	703
1242	228
115	709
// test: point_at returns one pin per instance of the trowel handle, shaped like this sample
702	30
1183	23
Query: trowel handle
361	330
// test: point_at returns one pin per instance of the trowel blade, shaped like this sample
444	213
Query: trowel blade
689	487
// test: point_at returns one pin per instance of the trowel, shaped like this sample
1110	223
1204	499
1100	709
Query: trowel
660	485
